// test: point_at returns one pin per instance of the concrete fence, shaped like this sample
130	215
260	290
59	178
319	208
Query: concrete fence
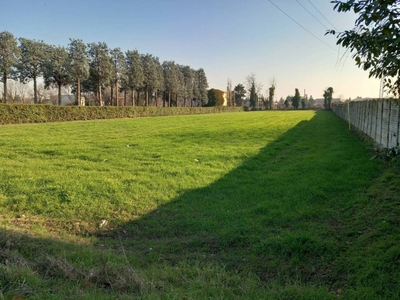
379	119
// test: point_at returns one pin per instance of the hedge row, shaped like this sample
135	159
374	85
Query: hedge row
20	113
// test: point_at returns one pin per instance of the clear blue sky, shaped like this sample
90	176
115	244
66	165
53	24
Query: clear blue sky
227	38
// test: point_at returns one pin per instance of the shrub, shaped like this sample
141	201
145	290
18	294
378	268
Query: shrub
21	113
215	97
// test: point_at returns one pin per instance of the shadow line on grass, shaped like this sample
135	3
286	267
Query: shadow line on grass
272	214
275	215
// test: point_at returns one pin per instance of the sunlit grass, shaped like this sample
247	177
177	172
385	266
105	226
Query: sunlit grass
120	169
271	205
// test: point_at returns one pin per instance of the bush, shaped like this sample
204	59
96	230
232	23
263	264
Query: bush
215	97
21	113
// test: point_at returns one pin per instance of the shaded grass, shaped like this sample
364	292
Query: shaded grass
276	205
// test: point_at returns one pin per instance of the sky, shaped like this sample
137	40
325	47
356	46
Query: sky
229	39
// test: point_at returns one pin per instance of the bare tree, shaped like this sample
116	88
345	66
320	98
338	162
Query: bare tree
43	95
250	80
17	91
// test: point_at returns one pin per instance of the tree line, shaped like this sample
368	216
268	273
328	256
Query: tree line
93	68
256	100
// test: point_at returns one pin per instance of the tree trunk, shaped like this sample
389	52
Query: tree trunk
133	97
5	86
78	92
99	94
116	93
164	99
101	102
124	97
35	100
112	94
147	97
59	94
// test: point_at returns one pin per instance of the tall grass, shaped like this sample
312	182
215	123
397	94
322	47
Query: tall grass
238	205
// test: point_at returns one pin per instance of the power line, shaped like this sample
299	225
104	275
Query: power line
346	52
302	26
312	15
322	15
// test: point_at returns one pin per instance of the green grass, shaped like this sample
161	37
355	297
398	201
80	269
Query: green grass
272	205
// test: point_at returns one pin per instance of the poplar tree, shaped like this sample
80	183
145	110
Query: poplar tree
253	96
79	64
202	86
188	80
196	91
171	80
9	54
229	93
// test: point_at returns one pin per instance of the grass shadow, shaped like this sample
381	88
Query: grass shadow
298	216
274	215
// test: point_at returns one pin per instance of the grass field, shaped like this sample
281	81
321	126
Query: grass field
258	205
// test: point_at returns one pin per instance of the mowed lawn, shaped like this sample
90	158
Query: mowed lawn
255	205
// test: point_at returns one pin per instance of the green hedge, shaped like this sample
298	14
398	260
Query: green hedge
20	113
